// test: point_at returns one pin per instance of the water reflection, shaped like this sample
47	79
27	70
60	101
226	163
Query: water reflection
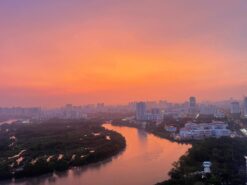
146	160
142	135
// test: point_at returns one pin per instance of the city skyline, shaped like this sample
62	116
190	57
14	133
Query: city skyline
80	52
126	92
241	101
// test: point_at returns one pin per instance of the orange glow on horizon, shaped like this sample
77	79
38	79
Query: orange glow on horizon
108	57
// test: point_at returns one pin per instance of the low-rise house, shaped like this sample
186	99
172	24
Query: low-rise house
171	129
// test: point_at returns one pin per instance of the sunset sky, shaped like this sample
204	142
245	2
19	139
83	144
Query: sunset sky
54	52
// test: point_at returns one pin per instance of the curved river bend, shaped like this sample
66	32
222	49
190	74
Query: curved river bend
146	161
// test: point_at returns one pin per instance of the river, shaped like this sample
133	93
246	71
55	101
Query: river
146	160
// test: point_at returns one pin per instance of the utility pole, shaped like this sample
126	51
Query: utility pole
245	169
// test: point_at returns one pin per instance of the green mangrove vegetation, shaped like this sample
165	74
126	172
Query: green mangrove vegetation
56	145
228	163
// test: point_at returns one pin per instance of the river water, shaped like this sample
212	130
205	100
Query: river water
146	160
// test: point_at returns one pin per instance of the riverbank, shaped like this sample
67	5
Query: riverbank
145	154
226	154
157	131
29	150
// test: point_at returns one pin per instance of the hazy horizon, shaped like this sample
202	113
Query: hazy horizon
81	52
57	106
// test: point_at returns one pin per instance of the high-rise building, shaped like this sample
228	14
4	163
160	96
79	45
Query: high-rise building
235	108
192	105
72	112
245	107
192	101
140	111
100	105
207	110
155	111
154	115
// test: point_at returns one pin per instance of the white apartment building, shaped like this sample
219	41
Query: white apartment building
202	130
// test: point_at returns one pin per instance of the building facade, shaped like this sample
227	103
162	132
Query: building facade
245	107
192	105
141	111
235	108
202	130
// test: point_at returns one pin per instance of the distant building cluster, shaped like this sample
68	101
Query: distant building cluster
238	109
68	111
143	115
33	112
153	111
202	130
144	111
